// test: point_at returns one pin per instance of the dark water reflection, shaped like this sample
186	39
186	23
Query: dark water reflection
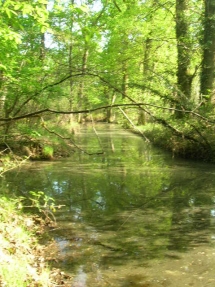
133	216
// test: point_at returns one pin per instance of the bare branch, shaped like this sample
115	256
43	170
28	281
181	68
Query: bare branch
68	139
117	6
134	105
133	125
46	88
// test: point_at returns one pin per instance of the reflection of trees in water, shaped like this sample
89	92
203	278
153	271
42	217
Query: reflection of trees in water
130	195
191	218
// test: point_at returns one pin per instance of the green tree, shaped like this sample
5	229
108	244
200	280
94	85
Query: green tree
72	56
208	60
21	24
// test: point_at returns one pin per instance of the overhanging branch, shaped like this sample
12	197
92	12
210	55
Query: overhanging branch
46	88
86	111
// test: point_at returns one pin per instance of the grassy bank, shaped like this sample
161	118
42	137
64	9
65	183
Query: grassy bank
22	258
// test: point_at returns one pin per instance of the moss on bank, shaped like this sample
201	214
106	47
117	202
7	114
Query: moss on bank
22	258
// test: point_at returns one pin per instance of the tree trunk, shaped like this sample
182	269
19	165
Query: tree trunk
146	69
184	77
110	114
42	51
208	66
2	94
124	78
42	47
71	96
81	85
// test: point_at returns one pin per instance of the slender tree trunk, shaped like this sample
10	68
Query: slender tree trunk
184	77
42	47
208	64
70	59
4	111
81	85
2	95
124	78
42	51
71	97
146	69
110	115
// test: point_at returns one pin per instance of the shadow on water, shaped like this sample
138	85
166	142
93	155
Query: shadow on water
132	216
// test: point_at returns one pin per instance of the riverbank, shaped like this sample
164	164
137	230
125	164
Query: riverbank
199	147
23	260
180	142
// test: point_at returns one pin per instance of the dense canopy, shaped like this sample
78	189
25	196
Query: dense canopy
144	62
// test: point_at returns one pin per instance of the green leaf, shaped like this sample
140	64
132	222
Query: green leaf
8	12
27	9
3	67
84	8
45	2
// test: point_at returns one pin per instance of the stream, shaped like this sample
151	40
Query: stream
131	215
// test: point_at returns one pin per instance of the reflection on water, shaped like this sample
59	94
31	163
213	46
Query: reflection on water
80	278
132	216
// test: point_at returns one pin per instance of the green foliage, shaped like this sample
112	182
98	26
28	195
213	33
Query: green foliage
41	201
17	242
48	151
10	161
68	56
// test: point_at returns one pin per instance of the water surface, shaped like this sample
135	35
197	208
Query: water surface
132	216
